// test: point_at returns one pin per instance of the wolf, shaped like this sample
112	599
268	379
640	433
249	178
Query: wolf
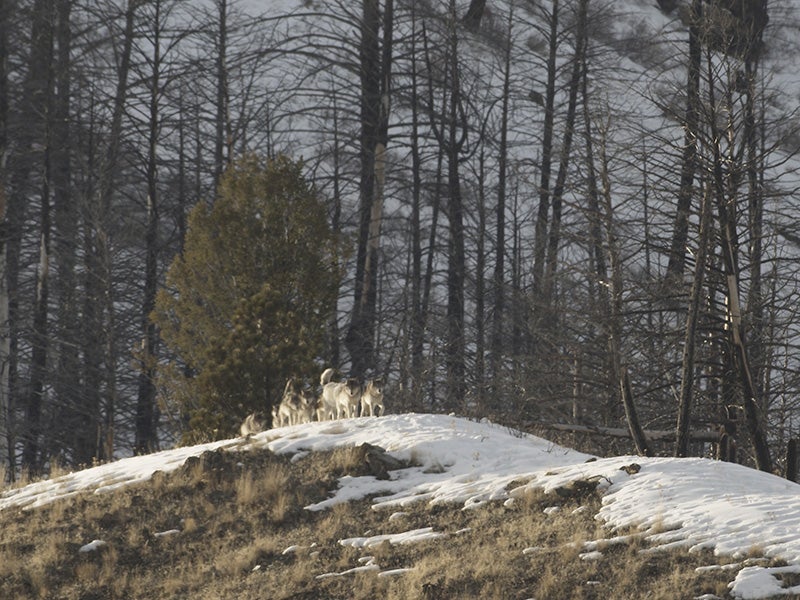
297	405
319	410
339	399
253	423
282	414
372	398
326	405
308	406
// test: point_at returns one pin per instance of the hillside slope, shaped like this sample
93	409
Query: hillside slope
299	512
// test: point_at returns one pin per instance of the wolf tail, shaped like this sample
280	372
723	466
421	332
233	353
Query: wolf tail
326	376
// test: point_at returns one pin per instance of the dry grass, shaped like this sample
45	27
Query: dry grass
238	515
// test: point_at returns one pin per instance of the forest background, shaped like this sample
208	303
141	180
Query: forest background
570	212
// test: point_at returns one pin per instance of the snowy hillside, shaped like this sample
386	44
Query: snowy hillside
689	503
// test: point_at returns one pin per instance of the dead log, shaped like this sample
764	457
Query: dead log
652	435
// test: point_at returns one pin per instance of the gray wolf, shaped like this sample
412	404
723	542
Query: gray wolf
253	423
372	398
339	399
297	405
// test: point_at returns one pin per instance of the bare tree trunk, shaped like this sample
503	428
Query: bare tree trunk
372	266
451	136
101	297
637	433
605	246
598	244
31	452
67	382
455	261
336	227
690	336
498	278
427	283
146	415
183	200
5	347
519	307
755	296
417	325
86	417
480	290
222	156
546	163
680	232
554	239
606	256
41	71
753	417
21	159
6	449
614	300
375	97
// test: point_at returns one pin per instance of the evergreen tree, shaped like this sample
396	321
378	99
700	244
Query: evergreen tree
246	304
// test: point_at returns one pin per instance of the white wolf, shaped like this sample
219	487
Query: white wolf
339	399
372	398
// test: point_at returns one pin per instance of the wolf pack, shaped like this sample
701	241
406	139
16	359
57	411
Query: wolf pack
337	400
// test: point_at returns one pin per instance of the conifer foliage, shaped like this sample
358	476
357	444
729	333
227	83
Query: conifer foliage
246	303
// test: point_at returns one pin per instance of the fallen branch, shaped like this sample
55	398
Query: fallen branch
621	432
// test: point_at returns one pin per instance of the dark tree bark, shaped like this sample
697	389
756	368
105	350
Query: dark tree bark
596	219
635	427
554	237
755	194
67	384
608	270
498	278
146	412
729	241
359	337
97	432
456	257
222	139
680	231
451	135
86	414
417	324
6	448
688	366
336	227
480	289
546	165
32	456
40	81
183	152
375	97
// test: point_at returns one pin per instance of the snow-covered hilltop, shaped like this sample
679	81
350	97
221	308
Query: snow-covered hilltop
689	503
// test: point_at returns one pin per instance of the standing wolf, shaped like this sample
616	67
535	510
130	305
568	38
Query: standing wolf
372	398
339	399
297	405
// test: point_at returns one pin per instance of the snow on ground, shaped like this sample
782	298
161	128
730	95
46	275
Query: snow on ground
692	503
